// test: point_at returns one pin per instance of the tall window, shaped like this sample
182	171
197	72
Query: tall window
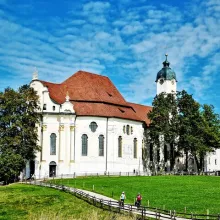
165	153
128	129
151	152
158	155
84	145
135	147
45	107
101	145
143	150
53	138
93	126
119	146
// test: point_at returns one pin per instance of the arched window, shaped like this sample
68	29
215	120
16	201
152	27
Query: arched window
124	129
128	129
93	126
119	146
53	138
135	147
143	149
84	145
151	152
45	107
158	155
165	153
101	145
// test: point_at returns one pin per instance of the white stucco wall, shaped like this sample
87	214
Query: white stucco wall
212	161
169	86
69	157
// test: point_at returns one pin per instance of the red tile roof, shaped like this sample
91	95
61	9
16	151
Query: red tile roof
96	95
141	111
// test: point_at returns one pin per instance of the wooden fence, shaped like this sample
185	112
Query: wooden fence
142	212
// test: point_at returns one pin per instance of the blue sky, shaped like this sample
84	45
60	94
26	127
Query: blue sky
125	40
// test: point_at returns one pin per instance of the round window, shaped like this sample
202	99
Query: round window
93	126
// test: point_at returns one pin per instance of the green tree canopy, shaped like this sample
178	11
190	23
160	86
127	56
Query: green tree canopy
193	128
18	131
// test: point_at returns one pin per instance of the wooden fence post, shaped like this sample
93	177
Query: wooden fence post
101	201
109	205
207	212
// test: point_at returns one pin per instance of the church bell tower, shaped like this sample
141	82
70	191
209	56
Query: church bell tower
166	79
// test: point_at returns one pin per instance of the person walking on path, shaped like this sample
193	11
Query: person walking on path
122	199
138	200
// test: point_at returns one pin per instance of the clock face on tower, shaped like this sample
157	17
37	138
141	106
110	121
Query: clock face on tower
161	81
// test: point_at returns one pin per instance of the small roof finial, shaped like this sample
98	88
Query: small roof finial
35	74
166	63
67	97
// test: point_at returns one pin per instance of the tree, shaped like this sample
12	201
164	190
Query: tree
164	123
199	128
187	126
190	121
18	131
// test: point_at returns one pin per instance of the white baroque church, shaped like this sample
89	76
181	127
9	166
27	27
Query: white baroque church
88	127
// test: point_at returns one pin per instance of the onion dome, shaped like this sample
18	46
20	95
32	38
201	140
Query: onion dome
166	72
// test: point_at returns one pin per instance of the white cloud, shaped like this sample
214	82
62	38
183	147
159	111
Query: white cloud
96	7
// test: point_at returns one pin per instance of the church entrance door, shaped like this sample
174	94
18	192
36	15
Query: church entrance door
52	169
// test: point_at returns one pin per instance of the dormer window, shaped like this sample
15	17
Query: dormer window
110	95
121	110
45	107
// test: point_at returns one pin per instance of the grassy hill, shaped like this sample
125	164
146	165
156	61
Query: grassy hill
20	201
196	193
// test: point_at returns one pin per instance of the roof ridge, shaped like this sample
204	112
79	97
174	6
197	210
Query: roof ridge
43	81
102	102
139	104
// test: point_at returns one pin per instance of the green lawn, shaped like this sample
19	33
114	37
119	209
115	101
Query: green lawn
20	201
196	193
